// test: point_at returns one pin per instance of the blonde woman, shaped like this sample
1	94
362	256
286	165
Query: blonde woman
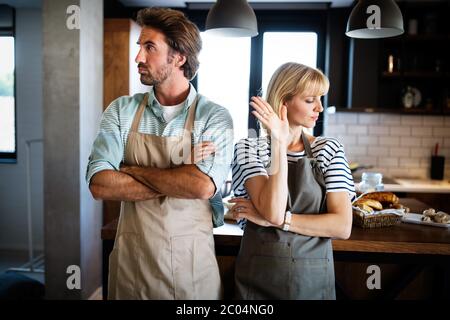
293	190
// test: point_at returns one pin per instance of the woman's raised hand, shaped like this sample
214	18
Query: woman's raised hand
277	124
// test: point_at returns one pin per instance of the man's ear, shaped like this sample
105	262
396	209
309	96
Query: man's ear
181	60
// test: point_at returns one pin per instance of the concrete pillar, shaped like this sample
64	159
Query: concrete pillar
72	104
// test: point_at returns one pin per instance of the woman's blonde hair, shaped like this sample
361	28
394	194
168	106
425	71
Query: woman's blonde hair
293	78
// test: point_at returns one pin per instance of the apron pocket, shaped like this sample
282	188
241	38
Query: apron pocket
312	279
123	267
268	278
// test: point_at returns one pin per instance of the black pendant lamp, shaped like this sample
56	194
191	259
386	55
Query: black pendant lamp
372	19
232	18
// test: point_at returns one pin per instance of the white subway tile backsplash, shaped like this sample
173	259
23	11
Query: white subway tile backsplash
389	119
377	151
445	152
417	173
356	151
400	131
447	121
411	120
367	118
367	140
347	118
335	129
422	131
425	162
441	131
365	160
446	142
346	140
389	141
357	130
379	130
431	142
399	152
388	162
409	162
420	152
398	145
410	142
433	121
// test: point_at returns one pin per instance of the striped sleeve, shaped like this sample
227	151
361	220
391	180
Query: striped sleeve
246	164
337	174
107	150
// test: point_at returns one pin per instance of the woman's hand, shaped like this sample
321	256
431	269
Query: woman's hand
277	124
244	209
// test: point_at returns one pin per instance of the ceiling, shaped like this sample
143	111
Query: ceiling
22	3
184	3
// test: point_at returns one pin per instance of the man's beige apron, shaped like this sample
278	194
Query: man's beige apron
164	248
276	264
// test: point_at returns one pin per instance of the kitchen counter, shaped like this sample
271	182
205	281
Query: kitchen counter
405	252
419	186
402	238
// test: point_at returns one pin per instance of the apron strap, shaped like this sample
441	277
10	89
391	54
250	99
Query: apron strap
189	123
307	145
138	115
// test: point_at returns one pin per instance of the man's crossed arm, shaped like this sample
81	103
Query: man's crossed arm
134	183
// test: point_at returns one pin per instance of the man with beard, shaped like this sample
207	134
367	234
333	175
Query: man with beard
142	156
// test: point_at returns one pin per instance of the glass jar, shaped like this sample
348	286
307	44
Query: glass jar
370	182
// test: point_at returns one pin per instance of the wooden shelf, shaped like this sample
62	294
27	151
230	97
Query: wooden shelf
393	110
420	37
415	74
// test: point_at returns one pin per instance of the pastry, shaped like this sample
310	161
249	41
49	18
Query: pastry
429	212
363	207
441	217
382	196
371	203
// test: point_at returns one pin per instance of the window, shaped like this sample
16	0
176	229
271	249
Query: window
224	77
234	69
8	142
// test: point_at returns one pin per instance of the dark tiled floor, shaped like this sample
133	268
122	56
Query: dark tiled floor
16	259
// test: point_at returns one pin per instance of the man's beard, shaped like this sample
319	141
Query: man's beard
159	76
156	78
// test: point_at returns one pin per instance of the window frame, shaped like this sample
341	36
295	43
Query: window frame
306	20
11	157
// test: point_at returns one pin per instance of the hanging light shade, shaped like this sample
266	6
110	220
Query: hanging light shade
372	19
232	18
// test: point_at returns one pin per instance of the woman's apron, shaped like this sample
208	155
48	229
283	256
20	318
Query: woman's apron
276	264
164	247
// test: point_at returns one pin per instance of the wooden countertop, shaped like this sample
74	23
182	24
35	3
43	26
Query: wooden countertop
401	238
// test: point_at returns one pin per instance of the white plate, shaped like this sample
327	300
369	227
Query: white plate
417	219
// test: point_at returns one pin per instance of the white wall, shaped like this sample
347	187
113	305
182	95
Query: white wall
13	186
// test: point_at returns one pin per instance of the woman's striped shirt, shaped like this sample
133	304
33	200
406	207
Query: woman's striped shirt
252	158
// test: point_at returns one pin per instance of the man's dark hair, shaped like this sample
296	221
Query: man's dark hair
182	34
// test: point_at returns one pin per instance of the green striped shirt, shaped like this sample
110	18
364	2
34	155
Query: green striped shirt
212	123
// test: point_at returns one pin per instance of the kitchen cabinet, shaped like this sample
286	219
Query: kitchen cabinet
408	73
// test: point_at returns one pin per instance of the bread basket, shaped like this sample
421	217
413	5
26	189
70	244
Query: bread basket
376	219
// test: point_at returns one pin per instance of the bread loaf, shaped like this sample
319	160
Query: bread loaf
371	203
381	196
